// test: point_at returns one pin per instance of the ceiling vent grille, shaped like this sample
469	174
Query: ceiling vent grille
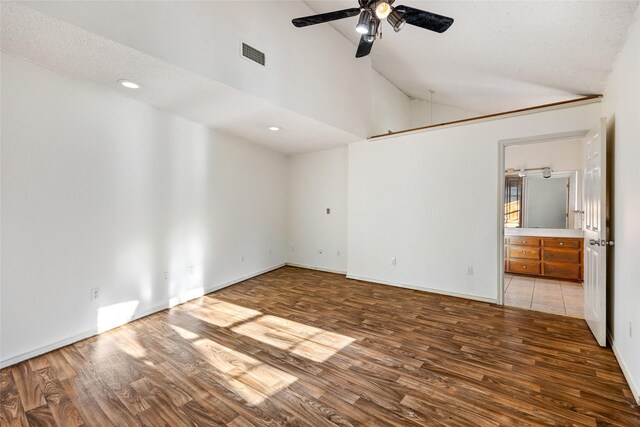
253	54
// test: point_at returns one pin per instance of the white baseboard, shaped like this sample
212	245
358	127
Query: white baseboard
422	288
94	331
308	267
635	389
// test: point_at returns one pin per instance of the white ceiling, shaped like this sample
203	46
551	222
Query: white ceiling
500	55
86	56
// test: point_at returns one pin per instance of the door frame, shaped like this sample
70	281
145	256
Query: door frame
502	145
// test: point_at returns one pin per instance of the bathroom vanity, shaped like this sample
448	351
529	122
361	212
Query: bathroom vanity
552	253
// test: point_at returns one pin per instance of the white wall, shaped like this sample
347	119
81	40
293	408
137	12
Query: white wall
318	181
102	191
558	155
430	200
391	107
622	108
420	113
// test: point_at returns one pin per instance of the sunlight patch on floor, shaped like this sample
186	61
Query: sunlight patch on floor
188	335
307	341
224	314
251	379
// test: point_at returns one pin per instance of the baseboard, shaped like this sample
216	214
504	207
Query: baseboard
308	267
88	333
635	389
421	288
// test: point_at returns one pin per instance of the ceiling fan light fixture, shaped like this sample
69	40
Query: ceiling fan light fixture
383	9
396	20
363	22
373	27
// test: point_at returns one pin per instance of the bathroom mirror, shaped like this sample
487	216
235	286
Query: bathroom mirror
533	201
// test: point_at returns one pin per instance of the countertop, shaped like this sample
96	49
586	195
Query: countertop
543	232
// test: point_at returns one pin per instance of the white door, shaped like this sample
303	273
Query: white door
595	232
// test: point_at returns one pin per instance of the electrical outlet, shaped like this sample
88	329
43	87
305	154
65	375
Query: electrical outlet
166	275
338	253
328	211
470	271
191	269
95	293
393	261
242	258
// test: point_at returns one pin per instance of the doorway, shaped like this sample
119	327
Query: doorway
541	218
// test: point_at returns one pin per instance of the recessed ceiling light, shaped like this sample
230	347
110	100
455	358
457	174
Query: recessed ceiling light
129	84
274	128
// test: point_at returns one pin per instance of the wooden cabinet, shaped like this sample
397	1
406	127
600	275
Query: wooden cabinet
553	257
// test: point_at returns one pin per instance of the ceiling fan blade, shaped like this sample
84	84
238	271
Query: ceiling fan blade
325	17
364	47
424	19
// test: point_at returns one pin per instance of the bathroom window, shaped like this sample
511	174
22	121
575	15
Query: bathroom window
513	201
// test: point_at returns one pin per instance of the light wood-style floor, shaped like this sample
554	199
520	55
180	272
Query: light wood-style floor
550	296
299	347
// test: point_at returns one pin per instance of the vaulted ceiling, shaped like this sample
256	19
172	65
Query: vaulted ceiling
500	55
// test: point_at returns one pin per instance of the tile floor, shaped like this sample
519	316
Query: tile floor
551	296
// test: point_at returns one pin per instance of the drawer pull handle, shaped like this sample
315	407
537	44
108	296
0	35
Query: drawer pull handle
524	252
524	267
561	244
524	241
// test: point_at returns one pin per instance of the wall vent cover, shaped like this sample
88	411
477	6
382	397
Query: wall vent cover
253	54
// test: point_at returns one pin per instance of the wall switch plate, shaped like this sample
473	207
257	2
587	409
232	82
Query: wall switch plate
95	293
320	251
328	211
470	271
393	261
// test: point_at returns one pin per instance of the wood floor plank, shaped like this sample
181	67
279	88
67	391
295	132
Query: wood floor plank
29	390
296	347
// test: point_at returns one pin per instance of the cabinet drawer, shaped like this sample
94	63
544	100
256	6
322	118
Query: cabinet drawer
563	271
556	242
526	252
524	241
562	255
525	267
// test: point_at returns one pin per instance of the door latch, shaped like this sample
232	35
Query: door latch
596	242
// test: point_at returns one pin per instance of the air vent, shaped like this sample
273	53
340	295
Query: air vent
253	54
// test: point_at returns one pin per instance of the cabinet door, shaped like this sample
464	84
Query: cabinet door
561	255
563	270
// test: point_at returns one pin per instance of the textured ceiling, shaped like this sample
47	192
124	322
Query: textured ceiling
500	55
83	55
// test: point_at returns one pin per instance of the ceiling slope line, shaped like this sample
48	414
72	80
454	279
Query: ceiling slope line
554	105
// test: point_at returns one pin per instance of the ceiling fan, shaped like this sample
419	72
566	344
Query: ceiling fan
372	12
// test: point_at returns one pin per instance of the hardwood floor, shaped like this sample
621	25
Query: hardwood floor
300	347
